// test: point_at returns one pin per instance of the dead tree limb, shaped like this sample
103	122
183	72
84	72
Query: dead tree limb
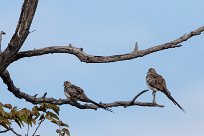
11	54
21	95
84	57
22	30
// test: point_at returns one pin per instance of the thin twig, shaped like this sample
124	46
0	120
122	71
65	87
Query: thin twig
38	126
15	132
59	129
32	31
27	130
133	100
12	130
4	131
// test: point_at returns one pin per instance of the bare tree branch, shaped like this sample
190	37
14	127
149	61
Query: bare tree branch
4	131
38	126
28	129
12	130
133	100
21	95
84	57
11	54
22	30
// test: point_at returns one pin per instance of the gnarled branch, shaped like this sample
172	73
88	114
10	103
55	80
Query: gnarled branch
22	30
21	95
84	57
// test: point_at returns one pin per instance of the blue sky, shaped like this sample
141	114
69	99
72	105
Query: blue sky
111	27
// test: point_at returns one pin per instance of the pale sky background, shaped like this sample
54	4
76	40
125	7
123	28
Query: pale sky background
108	27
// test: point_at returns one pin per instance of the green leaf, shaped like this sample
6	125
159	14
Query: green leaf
29	122
13	113
34	121
42	107
18	122
23	111
64	124
2	112
54	121
5	123
54	107
66	131
52	115
35	111
48	117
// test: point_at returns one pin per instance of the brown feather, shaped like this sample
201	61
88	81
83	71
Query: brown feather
157	83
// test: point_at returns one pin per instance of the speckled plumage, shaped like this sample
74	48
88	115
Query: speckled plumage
75	93
156	83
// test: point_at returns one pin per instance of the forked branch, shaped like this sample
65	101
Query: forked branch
22	30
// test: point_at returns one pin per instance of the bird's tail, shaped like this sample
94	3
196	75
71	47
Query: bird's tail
174	101
101	106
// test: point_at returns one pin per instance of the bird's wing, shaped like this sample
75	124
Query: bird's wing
81	94
155	81
78	89
74	92
160	83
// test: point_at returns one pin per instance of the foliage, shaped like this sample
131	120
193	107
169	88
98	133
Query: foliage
39	113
